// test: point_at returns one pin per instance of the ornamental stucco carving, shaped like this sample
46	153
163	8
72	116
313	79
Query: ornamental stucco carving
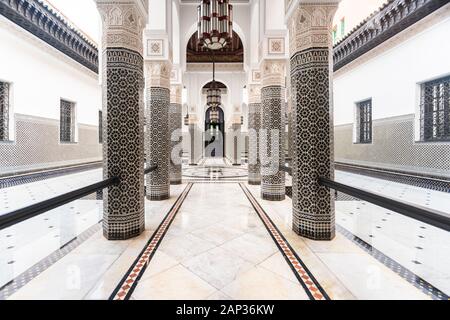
310	26
273	73
157	73
122	24
175	93
254	93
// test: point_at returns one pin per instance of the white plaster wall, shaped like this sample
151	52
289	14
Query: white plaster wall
391	78
176	32
275	15
157	20
40	77
254	39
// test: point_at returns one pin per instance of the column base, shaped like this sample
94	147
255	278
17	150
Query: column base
315	227
254	178
273	197
158	197
158	192
176	182
314	235
272	192
123	235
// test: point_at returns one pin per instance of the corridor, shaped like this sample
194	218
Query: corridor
217	239
224	150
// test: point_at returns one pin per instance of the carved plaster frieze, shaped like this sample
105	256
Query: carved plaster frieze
310	26
157	73
175	93
254	93
207	67
273	72
122	24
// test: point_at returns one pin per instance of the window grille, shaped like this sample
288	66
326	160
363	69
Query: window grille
67	123
365	121
435	110
4	111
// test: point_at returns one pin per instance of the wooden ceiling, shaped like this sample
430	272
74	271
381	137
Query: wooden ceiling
219	85
232	53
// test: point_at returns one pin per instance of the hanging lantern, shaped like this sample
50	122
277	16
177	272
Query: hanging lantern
215	23
214	116
186	118
213	96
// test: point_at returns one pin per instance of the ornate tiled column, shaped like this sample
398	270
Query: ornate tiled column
157	140
272	130
192	138
175	122
123	116
310	34
289	120
254	126
236	129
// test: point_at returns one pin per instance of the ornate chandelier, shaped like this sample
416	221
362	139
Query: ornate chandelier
215	23
214	116
214	98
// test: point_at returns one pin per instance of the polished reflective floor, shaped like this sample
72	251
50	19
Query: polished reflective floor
215	238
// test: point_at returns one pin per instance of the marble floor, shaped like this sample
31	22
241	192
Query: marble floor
217	239
436	200
23	195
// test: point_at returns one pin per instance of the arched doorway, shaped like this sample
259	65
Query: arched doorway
214	135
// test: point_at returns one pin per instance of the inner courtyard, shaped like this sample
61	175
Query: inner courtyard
224	150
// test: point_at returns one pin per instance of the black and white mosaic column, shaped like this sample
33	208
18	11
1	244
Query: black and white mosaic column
254	126
192	133
272	130
236	129
123	117
157	139
313	204
175	127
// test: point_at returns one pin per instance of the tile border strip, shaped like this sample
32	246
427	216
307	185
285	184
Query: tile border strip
128	283
23	279
394	266
306	279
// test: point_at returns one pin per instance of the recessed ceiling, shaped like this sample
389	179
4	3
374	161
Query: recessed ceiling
232	53
198	1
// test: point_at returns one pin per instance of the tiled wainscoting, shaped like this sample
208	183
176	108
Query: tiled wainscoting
393	148
36	146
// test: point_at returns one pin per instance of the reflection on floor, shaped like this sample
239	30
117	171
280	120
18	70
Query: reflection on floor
23	195
427	198
218	243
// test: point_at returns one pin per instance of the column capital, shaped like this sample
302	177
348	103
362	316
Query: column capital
123	22
175	93
236	119
176	75
273	72
193	119
310	24
254	93
157	73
